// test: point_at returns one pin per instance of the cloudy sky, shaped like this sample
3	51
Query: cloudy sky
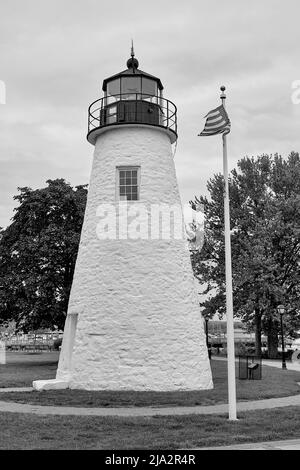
55	55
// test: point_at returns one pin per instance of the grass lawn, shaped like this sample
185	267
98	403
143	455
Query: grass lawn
21	369
25	431
275	383
29	431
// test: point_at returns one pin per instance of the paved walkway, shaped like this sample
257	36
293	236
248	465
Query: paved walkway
278	364
16	389
12	407
292	444
267	362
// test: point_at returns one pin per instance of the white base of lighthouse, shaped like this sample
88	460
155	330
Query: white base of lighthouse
133	321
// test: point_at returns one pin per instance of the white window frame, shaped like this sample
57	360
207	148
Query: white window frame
127	168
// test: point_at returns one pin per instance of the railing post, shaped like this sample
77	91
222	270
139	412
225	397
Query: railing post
136	119
167	113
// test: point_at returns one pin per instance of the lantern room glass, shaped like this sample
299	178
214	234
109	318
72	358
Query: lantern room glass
113	87
132	88
149	87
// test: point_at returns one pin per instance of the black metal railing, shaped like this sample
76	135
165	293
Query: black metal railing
132	108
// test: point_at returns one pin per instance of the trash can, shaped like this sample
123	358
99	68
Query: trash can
250	368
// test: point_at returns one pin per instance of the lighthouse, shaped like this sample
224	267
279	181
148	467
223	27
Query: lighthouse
133	320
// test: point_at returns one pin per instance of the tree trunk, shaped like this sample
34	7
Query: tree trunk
257	332
272	339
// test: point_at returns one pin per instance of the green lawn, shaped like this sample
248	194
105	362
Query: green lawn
29	431
25	431
21	369
275	383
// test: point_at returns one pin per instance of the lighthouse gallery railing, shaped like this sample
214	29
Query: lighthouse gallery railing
132	108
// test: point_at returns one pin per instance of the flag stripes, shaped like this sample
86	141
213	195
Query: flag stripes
217	122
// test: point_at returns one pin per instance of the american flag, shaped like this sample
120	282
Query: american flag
217	122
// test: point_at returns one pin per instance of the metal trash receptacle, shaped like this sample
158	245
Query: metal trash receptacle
250	368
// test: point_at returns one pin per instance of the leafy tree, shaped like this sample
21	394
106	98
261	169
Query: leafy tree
265	237
38	253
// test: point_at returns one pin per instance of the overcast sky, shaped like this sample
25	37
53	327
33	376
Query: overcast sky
54	56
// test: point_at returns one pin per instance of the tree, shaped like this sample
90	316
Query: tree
38	253
265	237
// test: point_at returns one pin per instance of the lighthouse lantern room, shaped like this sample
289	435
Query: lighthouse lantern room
132	97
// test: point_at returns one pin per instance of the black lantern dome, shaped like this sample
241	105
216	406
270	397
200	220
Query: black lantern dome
132	97
132	79
132	63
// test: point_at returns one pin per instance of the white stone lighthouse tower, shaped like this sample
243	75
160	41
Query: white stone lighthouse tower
133	320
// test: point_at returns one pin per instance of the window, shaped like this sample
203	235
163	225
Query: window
113	87
128	183
149	86
111	114
130	86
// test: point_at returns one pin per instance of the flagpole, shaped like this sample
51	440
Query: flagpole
228	271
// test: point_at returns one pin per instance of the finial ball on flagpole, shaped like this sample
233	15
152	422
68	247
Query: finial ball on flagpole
222	96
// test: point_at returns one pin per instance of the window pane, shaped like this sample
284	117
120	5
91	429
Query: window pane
128	184
112	110
113	88
111	119
131	85
149	86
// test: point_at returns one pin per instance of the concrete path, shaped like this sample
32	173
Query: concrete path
267	362
278	364
292	444
148	411
16	389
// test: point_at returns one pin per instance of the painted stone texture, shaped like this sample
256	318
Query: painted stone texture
133	320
